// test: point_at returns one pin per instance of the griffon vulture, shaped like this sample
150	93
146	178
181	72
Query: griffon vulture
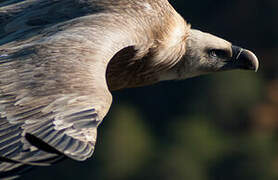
59	60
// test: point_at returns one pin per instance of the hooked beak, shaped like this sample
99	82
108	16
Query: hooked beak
242	59
245	59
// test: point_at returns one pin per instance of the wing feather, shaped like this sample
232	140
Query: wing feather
61	124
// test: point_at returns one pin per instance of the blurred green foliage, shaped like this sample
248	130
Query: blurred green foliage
217	127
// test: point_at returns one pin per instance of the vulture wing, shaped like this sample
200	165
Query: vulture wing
53	91
25	18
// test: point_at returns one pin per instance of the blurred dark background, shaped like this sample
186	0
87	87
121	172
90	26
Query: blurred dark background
217	127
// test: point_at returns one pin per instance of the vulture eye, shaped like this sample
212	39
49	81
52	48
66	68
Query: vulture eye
212	53
217	53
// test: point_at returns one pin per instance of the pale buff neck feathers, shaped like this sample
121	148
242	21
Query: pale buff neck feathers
149	62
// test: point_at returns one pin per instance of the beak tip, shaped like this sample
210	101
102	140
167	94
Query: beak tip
254	60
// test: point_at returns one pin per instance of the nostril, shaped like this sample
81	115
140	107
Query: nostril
236	52
239	53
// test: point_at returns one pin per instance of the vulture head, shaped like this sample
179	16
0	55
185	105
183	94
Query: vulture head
206	53
60	60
